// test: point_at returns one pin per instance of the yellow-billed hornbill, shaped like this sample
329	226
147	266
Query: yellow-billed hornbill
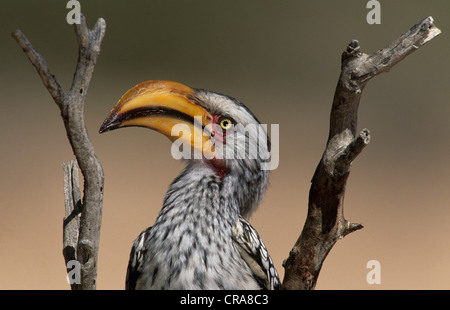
200	239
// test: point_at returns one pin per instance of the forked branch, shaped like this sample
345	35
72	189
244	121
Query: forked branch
83	218
325	222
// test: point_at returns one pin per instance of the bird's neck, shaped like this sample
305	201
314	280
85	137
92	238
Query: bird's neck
199	191
205	190
192	239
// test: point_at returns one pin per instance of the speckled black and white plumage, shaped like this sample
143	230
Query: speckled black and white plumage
200	239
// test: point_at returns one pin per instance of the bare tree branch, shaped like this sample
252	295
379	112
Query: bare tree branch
325	223
41	66
71	223
81	244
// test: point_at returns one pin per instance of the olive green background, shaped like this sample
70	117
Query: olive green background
282	59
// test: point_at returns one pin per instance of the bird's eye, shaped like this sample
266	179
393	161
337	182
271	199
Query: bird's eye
226	123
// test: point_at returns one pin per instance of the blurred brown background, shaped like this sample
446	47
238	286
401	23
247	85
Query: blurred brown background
282	59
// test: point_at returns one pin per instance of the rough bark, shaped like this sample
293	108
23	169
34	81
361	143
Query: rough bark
325	223
83	218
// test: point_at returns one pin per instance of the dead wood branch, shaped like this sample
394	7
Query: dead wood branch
83	218
325	223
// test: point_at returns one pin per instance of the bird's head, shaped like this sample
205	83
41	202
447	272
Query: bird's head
207	128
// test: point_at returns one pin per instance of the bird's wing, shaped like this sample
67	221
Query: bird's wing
136	256
255	254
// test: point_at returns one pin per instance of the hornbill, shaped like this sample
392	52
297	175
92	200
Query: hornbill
200	239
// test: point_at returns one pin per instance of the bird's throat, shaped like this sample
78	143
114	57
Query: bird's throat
219	167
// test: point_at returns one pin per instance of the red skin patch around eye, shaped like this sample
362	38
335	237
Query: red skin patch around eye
217	133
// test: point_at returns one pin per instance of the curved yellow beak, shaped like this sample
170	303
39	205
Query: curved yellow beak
167	107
